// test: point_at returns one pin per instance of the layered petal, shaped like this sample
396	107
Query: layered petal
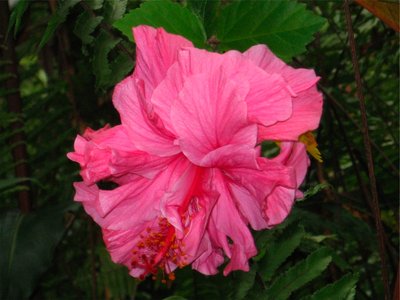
109	153
130	204
144	127
267	95
226	222
156	51
280	202
210	113
307	101
251	188
307	110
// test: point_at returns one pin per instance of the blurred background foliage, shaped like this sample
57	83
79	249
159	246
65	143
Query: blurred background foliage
59	65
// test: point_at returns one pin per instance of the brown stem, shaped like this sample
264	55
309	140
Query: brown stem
368	152
14	102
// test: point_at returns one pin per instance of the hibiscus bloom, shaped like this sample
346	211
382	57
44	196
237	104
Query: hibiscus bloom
186	157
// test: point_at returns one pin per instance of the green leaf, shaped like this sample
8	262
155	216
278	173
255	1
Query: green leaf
113	277
27	244
101	68
114	9
56	19
300	274
173	17
95	4
85	25
9	182
16	16
285	26
243	282
120	67
342	289
280	250
206	10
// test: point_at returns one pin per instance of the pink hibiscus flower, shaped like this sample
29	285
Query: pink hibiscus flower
186	157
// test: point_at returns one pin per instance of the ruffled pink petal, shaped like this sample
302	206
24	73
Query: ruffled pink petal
143	126
210	258
208	113
298	79
156	51
251	187
294	154
307	101
268	97
130	204
176	201
108	153
120	243
307	110
280	202
227	222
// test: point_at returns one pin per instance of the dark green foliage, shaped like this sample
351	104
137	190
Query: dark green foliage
27	244
57	19
344	289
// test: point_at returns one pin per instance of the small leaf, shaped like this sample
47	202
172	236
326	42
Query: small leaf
101	68
120	67
56	19
16	16
284	26
342	289
9	182
173	17
114	9
280	250
85	25
95	4
300	274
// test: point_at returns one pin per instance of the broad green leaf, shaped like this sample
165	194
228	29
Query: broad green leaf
27	244
342	289
56	19
173	17
114	9
286	27
206	10
280	250
300	274
85	25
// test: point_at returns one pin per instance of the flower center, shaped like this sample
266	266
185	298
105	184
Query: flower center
158	247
